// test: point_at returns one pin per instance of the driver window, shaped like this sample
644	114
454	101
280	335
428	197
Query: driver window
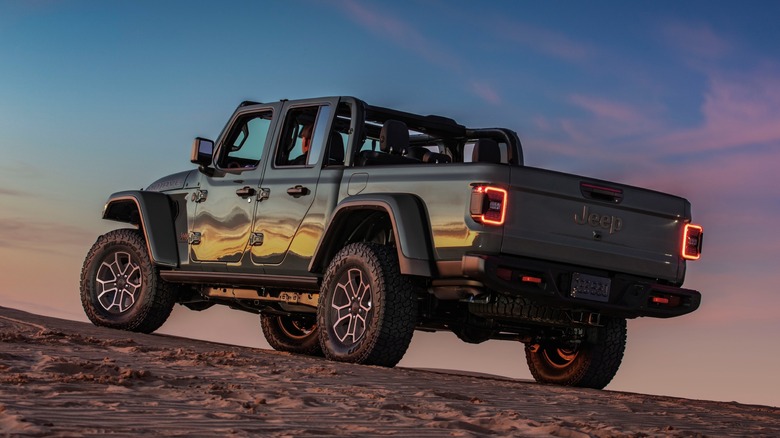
303	137
244	147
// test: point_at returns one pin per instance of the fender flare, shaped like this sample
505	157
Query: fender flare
410	226
153	212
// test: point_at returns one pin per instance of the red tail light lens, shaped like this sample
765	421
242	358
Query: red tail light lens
691	242
488	205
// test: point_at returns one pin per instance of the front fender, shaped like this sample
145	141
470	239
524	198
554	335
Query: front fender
153	213
410	226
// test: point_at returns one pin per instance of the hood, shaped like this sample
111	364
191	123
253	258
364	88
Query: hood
171	182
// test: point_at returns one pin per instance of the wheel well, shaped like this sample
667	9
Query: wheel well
153	214
124	211
392	219
372	226
366	225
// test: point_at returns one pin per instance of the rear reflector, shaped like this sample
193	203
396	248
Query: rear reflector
528	279
504	274
691	242
666	300
488	205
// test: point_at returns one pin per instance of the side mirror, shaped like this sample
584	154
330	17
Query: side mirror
202	151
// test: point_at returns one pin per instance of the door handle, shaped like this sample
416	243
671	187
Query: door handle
298	191
245	192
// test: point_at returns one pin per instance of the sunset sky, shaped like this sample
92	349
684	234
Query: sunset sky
681	97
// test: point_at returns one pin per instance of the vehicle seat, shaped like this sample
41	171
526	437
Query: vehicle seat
425	155
486	150
393	141
394	137
435	157
335	149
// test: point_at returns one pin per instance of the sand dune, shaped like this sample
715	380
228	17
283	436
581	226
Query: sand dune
66	378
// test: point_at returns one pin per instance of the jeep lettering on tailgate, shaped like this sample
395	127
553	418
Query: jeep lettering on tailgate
611	223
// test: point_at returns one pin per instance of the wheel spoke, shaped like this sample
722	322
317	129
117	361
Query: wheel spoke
365	299
114	268
118	280
361	323
350	305
341	318
351	330
127	300
355	281
134	275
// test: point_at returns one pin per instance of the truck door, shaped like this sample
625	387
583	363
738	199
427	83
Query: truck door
289	186
225	200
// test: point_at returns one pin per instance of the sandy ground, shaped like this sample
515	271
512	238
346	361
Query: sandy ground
66	378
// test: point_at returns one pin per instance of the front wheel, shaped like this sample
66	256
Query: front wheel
589	364
293	334
120	286
367	310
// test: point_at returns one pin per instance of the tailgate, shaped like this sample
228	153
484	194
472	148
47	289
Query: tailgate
598	224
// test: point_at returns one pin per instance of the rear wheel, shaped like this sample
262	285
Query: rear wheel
293	334
120	286
367	310
589	364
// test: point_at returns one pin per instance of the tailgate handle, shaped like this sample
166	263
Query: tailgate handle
601	193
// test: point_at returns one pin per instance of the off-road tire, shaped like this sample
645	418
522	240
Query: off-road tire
291	334
591	364
121	288
367	310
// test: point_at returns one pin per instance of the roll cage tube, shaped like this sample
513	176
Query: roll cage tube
515	148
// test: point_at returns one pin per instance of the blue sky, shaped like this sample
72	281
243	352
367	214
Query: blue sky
683	97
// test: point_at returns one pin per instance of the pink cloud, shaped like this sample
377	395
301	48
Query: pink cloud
486	92
19	168
609	110
593	137
732	299
697	40
535	146
36	234
739	110
385	25
743	174
401	33
10	192
541	40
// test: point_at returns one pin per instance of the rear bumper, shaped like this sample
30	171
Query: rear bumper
548	282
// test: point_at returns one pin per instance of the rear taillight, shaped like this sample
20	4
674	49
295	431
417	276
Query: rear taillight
691	242
488	205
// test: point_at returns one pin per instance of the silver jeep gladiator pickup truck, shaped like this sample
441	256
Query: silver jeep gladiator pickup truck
348	226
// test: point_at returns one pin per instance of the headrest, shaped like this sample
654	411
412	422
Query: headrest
394	137
486	150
